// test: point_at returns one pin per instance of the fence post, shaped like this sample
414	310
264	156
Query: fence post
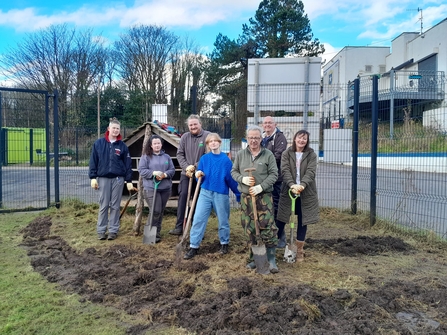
374	132
355	146
56	148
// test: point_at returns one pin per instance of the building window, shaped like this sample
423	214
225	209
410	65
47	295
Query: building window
368	68
382	69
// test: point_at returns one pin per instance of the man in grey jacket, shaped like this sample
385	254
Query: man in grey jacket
191	148
274	140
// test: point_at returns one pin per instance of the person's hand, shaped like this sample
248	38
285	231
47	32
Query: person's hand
249	181
297	189
157	173
255	190
294	188
161	176
94	184
190	169
130	187
199	174
238	198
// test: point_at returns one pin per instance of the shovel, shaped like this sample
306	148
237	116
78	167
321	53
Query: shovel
259	250
178	248
131	196
291	249
150	232
187	203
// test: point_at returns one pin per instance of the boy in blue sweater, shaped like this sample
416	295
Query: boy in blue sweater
214	168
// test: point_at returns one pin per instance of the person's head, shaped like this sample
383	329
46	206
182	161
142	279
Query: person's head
114	128
154	145
194	124
213	141
269	125
254	137
300	141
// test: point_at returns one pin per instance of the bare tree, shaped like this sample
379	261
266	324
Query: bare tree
142	54
55	58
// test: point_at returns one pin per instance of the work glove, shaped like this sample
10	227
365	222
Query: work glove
255	190
94	184
130	187
157	174
199	174
190	168
297	189
249	181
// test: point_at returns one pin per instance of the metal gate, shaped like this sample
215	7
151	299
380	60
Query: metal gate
29	150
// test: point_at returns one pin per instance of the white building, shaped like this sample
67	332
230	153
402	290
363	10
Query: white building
342	69
413	70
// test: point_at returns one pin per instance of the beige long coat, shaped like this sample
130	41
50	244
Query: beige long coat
309	197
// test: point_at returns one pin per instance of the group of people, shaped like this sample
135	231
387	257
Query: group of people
261	175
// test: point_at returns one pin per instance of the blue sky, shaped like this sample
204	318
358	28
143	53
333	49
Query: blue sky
335	23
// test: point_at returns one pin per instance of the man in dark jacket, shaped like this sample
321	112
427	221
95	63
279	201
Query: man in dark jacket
191	148
274	140
110	167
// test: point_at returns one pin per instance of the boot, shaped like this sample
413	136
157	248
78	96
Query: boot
191	253
282	240
299	251
251	263
271	256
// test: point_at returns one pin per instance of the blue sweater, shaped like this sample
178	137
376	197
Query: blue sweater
217	177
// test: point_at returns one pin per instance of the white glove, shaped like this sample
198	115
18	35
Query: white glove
249	181
199	174
94	184
255	190
294	188
297	189
130	187
157	173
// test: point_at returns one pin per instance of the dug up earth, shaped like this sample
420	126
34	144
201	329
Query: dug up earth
354	280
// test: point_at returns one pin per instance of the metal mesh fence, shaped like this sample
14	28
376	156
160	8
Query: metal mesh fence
410	180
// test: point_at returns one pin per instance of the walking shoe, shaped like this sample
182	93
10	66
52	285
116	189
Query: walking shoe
191	253
157	238
224	249
176	231
101	236
112	236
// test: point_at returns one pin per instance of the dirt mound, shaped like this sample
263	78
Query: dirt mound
141	282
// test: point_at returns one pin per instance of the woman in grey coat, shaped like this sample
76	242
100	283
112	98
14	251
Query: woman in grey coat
298	169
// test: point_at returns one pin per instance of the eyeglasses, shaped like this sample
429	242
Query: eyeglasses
254	138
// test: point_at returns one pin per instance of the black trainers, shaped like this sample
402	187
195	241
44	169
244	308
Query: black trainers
176	231
112	236
157	238
101	236
224	249
191	253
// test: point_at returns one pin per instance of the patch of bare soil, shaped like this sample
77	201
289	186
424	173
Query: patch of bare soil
140	281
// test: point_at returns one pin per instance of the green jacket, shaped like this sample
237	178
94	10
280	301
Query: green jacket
266	172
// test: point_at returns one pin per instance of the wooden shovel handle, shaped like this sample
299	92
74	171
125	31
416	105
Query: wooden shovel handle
255	216
191	210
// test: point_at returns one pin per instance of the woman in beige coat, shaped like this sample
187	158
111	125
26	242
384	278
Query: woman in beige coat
298	169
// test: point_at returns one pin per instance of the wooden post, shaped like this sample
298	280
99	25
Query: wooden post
140	198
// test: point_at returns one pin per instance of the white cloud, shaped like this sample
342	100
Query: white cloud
171	13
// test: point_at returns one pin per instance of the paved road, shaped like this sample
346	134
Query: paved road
412	198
